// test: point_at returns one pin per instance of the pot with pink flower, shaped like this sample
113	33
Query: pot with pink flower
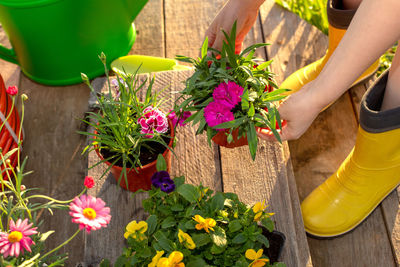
231	95
129	133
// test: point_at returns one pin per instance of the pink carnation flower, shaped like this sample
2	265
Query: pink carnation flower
89	212
153	120
12	90
228	94
175	119
11	244
215	113
89	182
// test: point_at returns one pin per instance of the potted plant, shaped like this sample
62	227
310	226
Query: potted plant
129	132
231	95
191	225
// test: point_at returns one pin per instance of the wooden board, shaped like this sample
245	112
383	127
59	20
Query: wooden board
52	118
322	148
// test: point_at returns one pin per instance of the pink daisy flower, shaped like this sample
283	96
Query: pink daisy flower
89	212
153	120
216	113
228	94
13	243
175	119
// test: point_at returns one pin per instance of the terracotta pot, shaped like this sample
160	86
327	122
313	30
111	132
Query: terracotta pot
140	178
221	139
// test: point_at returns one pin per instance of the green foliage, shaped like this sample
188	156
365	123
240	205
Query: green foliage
116	123
234	232
214	67
314	12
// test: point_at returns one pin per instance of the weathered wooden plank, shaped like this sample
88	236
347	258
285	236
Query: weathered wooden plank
52	117
150	30
322	148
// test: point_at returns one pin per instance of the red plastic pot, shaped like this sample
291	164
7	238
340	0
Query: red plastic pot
221	139
140	177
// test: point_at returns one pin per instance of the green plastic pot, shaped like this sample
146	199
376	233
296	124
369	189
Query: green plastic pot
53	41
145	64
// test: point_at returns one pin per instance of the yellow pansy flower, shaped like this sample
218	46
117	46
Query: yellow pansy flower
203	193
156	258
258	209
251	254
186	239
174	260
206	224
136	230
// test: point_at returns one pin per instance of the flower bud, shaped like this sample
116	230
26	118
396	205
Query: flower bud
103	58
23	187
12	90
8	161
24	97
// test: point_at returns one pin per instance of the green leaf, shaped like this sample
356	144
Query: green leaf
231	124
105	263
218	236
234	226
251	110
268	223
245	99
217	249
190	225
177	207
197	262
179	181
44	236
201	239
204	48
166	244
217	202
252	139
161	163
188	192
168	222
239	239
151	224
263	240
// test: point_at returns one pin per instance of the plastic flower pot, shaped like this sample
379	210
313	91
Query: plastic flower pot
276	242
221	139
130	64
140	177
54	41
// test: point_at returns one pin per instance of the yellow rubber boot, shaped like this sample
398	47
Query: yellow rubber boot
369	173
339	20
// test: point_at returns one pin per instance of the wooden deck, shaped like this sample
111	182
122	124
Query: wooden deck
170	27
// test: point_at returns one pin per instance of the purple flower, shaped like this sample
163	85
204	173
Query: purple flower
163	181
115	84
215	113
175	119
153	120
228	94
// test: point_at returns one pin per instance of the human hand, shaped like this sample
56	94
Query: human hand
243	11
298	110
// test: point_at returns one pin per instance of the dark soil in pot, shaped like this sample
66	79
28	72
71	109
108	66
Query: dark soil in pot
276	242
146	155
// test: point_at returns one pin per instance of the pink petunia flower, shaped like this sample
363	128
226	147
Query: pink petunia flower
13	243
228	94
12	90
89	212
175	119
89	182
153	120
215	113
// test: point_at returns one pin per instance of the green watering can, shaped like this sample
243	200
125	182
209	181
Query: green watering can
55	40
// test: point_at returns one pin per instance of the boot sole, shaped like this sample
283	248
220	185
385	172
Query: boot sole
328	237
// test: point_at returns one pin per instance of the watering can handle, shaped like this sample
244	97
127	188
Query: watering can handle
8	54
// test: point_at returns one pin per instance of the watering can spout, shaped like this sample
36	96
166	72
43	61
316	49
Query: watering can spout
135	6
